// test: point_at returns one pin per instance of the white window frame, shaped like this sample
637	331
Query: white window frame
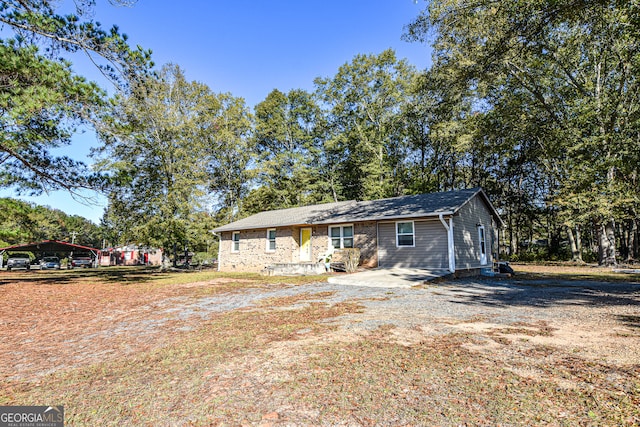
412	234
269	240
342	236
234	241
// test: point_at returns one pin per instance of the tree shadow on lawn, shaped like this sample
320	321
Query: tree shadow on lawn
630	321
122	275
545	293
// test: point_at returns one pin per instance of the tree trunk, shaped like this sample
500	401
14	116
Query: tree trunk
513	245
625	238
607	244
579	242
633	241
576	252
555	236
175	255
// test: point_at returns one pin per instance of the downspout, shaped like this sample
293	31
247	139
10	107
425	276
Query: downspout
450	246
377	244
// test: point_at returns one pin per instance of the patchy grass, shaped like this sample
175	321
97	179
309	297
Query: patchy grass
224	373
142	275
132	347
438	382
172	384
294	299
540	328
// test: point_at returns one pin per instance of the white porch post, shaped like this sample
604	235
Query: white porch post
219	250
219	246
450	245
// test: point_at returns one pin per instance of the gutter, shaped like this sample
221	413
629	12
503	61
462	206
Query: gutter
450	242
384	218
340	220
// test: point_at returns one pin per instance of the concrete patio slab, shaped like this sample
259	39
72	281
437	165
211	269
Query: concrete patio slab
388	277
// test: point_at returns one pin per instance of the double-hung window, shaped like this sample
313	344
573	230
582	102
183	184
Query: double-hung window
341	236
271	240
405	234
235	241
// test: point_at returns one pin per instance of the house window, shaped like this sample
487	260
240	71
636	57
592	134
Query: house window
405	234
271	240
341	237
235	245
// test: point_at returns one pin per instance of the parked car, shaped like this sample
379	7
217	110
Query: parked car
82	261
50	262
18	261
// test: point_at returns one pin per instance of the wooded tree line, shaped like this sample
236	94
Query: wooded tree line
22	222
535	101
553	91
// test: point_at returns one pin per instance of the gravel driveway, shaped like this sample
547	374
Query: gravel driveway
597	319
505	301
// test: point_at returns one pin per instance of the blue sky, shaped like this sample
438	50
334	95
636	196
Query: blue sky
249	48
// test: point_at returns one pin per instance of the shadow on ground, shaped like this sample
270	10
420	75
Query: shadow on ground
547	293
122	275
630	321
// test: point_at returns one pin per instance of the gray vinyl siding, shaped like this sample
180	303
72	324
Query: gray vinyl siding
430	250
465	234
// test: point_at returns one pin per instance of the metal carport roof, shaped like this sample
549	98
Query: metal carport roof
49	246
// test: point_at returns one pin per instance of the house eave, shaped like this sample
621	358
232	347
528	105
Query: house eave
343	220
225	229
358	212
387	218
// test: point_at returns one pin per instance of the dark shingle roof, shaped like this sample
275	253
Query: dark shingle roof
283	217
421	205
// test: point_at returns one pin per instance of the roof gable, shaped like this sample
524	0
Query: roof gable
421	205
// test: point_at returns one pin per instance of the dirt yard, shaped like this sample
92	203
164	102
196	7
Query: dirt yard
550	346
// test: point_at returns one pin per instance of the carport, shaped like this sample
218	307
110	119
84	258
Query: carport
50	246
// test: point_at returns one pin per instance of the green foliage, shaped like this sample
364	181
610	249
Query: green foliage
161	144
42	100
288	151
535	101
22	222
36	23
231	154
553	87
365	142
